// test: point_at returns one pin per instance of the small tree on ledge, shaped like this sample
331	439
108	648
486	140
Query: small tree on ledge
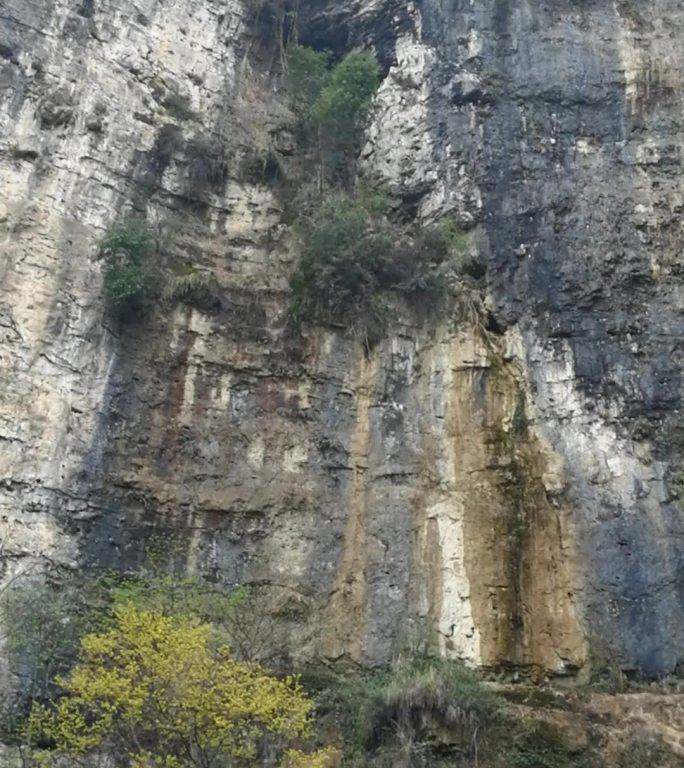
126	251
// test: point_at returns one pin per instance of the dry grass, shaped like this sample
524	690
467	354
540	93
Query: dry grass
199	289
414	704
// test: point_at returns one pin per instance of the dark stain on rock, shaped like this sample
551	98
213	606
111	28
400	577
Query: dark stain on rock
86	9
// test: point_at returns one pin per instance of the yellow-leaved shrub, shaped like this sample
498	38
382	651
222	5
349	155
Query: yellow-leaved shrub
154	688
329	757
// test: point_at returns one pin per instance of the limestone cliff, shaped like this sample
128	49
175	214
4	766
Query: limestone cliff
507	482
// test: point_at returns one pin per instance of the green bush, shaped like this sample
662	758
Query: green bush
343	106
332	103
351	251
345	243
306	75
42	626
126	251
428	259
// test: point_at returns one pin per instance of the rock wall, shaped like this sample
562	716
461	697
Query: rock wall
505	482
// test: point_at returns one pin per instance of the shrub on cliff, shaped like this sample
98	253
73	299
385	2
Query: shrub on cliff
352	251
427	259
345	243
343	105
332	103
126	251
306	74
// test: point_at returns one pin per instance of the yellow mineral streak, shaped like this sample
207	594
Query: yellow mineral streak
493	568
345	619
451	450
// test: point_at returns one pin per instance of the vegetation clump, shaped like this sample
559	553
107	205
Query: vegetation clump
346	242
410	707
153	688
343	106
190	286
332	102
126	250
166	594
306	74
352	251
131	282
136	670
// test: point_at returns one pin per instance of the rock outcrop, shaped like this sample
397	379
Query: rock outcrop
506	481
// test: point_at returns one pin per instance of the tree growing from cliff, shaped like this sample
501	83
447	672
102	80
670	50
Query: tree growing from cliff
155	691
332	103
343	106
352	251
345	242
126	252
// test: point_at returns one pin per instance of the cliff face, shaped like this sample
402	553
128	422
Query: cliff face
506	481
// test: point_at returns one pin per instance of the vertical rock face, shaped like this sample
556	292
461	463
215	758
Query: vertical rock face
502	482
81	92
578	170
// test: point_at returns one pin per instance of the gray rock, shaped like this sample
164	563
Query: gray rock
499	479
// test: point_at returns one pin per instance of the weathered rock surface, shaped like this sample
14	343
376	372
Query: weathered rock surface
510	487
